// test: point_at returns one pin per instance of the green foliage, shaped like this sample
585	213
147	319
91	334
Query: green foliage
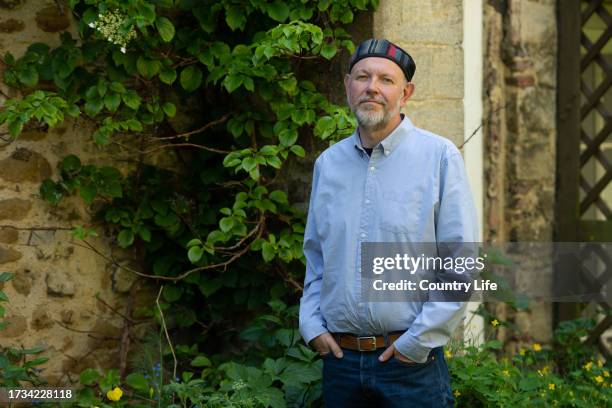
18	366
534	377
233	88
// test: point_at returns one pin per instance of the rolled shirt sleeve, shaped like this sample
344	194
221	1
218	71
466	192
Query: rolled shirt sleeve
456	222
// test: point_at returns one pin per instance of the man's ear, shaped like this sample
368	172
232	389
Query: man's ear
408	90
347	78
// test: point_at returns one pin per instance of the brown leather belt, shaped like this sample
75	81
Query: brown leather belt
364	343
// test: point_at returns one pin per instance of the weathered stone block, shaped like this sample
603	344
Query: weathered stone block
537	107
537	20
8	235
22	282
10	4
51	20
9	255
16	326
443	117
41	237
11	25
439	73
123	280
25	165
59	283
14	209
41	319
434	21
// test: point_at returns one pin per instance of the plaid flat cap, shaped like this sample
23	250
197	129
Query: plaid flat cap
384	49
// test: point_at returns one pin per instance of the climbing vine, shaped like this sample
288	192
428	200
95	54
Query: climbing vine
230	89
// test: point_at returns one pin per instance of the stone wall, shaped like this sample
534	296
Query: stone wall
432	32
520	136
63	295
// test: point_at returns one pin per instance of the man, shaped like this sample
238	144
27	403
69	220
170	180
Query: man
388	182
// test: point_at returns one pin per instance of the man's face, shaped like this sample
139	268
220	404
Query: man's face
376	90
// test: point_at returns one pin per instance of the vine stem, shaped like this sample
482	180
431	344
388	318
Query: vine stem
163	321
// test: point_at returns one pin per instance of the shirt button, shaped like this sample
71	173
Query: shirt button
367	201
387	152
372	168
363	235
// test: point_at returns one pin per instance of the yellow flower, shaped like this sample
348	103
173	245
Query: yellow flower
495	323
599	379
506	373
551	386
114	394
606	373
456	393
537	347
588	366
448	354
545	369
599	363
522	351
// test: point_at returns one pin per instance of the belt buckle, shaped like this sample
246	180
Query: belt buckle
372	339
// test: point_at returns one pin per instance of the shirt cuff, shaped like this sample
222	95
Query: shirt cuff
310	331
408	346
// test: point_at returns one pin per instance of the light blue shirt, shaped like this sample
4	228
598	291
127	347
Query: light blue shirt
413	188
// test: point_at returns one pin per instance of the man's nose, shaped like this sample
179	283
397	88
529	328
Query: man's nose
372	86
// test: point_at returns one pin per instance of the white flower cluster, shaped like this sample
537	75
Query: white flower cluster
109	25
238	385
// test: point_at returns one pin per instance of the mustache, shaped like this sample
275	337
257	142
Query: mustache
372	99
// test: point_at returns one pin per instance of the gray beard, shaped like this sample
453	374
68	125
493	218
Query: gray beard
372	119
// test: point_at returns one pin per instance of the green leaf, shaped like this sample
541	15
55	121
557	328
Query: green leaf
148	68
5	276
169	109
112	101
232	82
71	163
172	293
298	150
89	376
137	381
195	254
168	76
191	78
267	251
226	224
329	50
134	125
288	137
125	238
73	110
235	17
15	127
131	99
165	28
88	192
201	361
249	163
279	196
278	11
93	107
28	76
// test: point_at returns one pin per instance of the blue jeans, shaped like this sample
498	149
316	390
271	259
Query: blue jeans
358	379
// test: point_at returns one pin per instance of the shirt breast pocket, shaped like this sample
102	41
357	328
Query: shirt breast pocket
400	211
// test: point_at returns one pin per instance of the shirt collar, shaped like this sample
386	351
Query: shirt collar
389	143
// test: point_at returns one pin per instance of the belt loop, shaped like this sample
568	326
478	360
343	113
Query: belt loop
386	335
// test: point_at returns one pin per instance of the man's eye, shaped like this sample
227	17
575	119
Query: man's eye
387	80
361	77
